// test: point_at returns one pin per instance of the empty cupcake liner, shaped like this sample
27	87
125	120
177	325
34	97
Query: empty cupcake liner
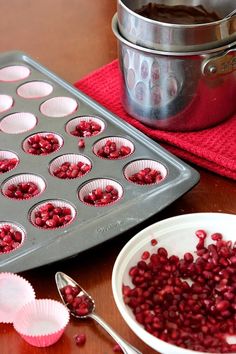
57	203
71	125
6	102
87	188
59	107
18	123
26	145
15	292
72	158
14	73
15	227
8	155
119	142
41	322
24	178
34	89
137	166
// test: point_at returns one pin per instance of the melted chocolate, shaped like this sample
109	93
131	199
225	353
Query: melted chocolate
179	14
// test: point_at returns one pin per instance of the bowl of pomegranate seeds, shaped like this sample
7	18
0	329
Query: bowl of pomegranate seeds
174	284
23	186
85	126
52	214
100	192
70	166
113	148
42	143
145	172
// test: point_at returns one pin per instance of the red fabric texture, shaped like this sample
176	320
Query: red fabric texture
213	148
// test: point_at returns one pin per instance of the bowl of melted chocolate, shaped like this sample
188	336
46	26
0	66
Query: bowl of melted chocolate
178	26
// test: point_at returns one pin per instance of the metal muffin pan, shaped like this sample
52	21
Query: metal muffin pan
92	225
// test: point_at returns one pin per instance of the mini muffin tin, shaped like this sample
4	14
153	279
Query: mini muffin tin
33	100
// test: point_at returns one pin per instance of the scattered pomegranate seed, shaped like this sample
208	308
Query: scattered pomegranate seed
80	305
110	150
10	238
100	197
117	349
71	170
22	190
42	145
80	339
146	176
7	164
81	144
86	128
197	315
50	216
154	242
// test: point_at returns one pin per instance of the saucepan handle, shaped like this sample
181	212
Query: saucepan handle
222	64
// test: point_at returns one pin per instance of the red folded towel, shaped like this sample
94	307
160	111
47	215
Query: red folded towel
213	149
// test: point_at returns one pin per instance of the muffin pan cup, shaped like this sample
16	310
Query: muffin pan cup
91	226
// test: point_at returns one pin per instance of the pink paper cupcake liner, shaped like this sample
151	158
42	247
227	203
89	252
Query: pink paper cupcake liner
72	158
41	322
14	73
7	156
136	166
6	102
15	292
57	107
24	178
34	89
71	125
119	142
87	188
17	244
18	123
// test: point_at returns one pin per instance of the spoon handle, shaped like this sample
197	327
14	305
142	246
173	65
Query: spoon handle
126	347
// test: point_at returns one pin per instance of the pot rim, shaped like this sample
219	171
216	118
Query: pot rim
173	25
116	32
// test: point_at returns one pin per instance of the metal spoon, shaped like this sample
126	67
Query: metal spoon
231	14
63	280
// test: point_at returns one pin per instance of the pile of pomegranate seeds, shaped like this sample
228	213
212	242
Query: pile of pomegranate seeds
197	315
110	150
146	176
42	145
86	128
80	305
49	216
22	190
7	164
71	170
10	238
100	197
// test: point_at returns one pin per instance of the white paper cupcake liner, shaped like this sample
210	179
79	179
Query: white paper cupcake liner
24	178
72	158
16	228
57	203
57	107
18	123
15	292
26	145
99	183
6	102
41	322
136	166
14	73
8	155
71	125
35	89
119	142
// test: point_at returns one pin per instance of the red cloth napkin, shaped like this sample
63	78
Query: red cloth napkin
213	149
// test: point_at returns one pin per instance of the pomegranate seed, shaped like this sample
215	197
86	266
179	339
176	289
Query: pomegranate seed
99	197
10	238
111	151
49	216
42	145
117	349
81	143
153	242
80	339
7	164
22	190
199	316
71	170
87	128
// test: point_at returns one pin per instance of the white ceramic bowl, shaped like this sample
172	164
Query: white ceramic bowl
177	235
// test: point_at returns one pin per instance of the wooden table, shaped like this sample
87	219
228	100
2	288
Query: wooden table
72	38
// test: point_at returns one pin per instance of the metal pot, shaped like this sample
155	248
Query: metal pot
177	91
174	37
